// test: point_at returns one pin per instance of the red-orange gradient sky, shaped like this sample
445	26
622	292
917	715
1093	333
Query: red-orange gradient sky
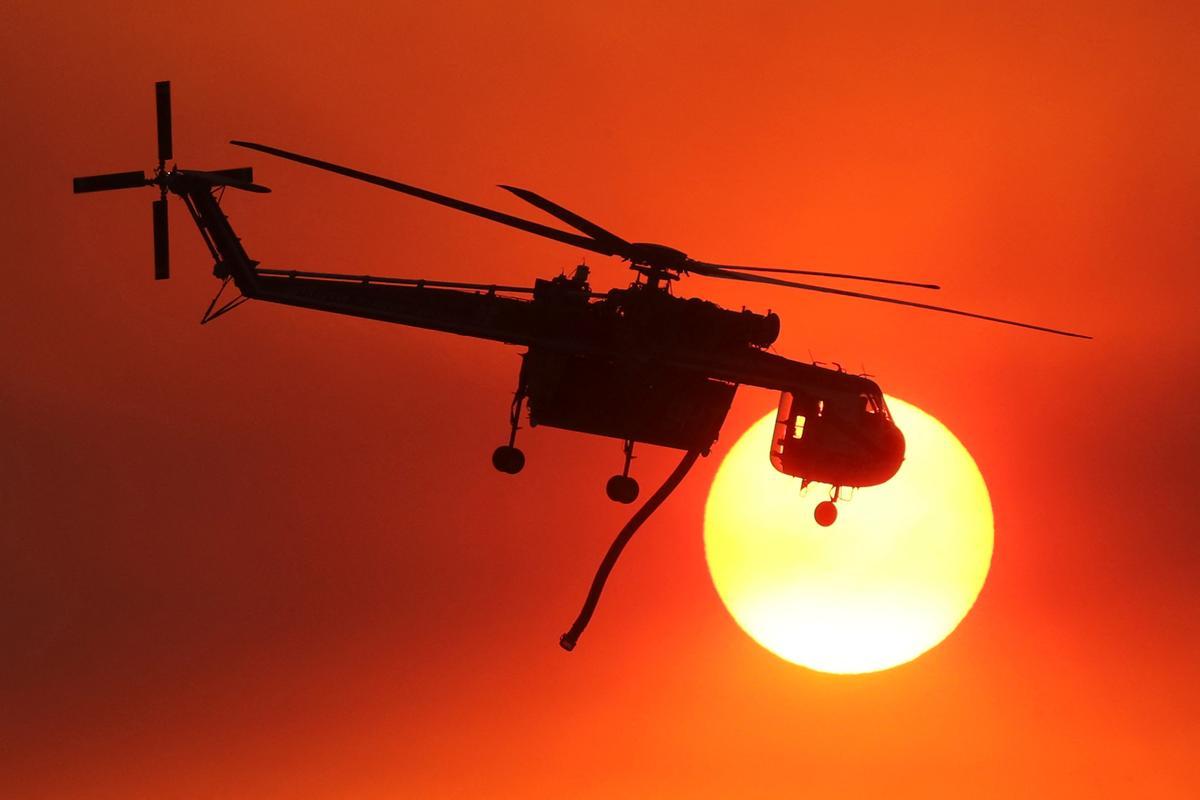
269	557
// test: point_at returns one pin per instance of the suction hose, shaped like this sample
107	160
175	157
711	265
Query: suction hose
568	640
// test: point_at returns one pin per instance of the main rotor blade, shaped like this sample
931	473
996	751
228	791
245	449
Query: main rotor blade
111	180
816	274
162	110
535	228
717	272
577	222
162	245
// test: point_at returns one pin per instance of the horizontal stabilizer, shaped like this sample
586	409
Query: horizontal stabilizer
243	174
227	177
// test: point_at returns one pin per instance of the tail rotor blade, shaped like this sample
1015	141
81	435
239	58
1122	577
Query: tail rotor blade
111	180
162	243
162	108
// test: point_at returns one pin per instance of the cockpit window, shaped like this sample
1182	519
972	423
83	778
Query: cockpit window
794	413
785	406
874	404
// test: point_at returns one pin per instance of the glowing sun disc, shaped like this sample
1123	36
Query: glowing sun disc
889	580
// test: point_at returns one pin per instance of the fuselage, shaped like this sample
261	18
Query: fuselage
638	364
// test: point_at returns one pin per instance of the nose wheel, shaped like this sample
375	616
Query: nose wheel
826	512
622	488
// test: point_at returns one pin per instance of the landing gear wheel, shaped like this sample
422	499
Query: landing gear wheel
825	513
508	459
621	489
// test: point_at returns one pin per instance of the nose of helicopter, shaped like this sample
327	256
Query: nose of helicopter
892	448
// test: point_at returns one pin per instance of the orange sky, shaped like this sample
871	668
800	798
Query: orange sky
270	558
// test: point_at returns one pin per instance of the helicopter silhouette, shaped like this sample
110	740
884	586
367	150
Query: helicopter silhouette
638	364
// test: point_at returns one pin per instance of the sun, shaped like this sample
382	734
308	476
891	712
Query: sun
889	580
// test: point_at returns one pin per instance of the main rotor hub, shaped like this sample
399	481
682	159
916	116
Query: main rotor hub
658	256
657	262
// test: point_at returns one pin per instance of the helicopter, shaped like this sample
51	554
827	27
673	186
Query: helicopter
640	364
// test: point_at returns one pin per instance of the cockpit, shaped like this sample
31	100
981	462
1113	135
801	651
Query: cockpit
843	437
